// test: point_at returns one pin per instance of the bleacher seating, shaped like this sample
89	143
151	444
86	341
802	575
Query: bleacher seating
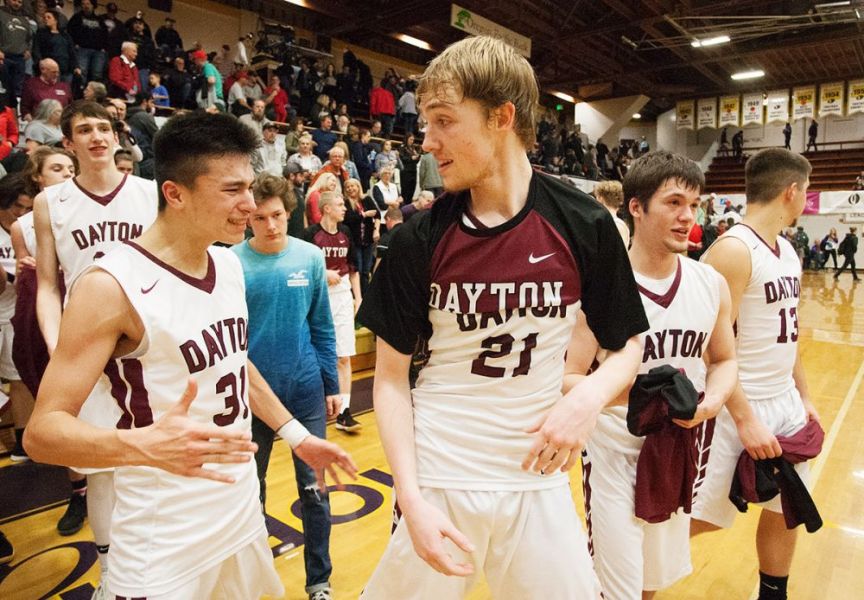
833	170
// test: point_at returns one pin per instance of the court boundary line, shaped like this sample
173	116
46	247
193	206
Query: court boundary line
830	438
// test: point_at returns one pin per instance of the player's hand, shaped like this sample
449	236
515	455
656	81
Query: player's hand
333	277
333	404
323	456
810	411
181	445
428	528
560	435
705	410
757	440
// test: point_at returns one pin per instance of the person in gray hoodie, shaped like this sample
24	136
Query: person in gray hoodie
16	42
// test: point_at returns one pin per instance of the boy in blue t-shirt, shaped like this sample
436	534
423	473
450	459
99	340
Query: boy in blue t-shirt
158	91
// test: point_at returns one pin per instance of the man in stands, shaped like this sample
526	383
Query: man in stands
123	77
324	138
90	35
335	165
46	86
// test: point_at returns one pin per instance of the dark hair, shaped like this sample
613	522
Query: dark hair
770	171
11	187
85	109
183	145
123	155
267	186
650	171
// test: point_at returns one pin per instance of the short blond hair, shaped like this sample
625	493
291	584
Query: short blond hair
609	193
490	71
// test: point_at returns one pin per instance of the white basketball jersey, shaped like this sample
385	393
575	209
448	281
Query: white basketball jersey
7	261
28	230
767	325
86	226
682	312
167	529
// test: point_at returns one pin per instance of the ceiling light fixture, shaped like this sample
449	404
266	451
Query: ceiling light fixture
833	4
720	39
565	97
302	3
748	74
637	115
413	41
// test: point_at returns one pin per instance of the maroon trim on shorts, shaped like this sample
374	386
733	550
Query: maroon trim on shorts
103	200
206	284
775	249
666	299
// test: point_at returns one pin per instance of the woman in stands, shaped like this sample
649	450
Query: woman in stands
829	246
362	221
326	183
44	129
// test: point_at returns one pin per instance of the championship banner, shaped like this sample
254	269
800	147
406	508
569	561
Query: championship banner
804	102
471	22
729	109
855	103
751	113
777	106
684	114
706	109
831	99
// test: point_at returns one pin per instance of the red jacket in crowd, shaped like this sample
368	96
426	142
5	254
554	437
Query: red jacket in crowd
123	76
8	132
381	102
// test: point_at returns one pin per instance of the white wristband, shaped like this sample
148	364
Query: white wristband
293	432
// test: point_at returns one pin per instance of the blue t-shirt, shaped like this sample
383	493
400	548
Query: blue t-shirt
160	90
291	336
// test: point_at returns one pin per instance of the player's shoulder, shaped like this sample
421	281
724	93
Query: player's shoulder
700	270
554	192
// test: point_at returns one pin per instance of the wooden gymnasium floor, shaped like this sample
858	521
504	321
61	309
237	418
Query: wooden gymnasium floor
828	563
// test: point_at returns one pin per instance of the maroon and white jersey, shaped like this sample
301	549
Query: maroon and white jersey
7	262
682	312
497	307
767	325
167	529
86	226
338	255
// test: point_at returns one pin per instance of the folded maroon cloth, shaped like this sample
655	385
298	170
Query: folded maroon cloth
762	480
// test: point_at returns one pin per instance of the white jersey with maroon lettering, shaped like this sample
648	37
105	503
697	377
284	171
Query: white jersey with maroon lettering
28	231
86	226
167	529
631	555
7	261
767	325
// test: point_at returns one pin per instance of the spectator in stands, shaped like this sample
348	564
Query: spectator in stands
385	193
238	105
848	247
360	152
423	202
589	163
223	62
361	222
428	176
178	82
602	154
123	77
723	145
382	106
336	166
117	109
738	145
270	157
16	41
8	128
859	182
787	136
644	146
305	157
409	154
345	86
168	40
143	125
47	85
320	108
123	161
146	59
44	129
294	173
52	42
611	195
295	132
210	94
158	92
812	133
277	100
829	246
305	86
256	119
408	108
801	242
115	31
90	35
324	138
95	91
328	81
253	88
326	183
349	164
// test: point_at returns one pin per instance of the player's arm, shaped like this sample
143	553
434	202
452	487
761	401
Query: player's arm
581	352
92	332
22	256
801	383
394	413
48	298
731	258
722	376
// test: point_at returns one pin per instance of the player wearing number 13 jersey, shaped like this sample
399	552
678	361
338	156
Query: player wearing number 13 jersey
764	278
492	278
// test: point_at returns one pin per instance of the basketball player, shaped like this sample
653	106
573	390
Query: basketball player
764	274
610	195
687	305
493	275
343	281
76	222
292	342
167	313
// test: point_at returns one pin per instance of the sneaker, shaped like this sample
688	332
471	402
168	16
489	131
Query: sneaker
73	519
101	592
346	422
18	454
324	594
6	550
